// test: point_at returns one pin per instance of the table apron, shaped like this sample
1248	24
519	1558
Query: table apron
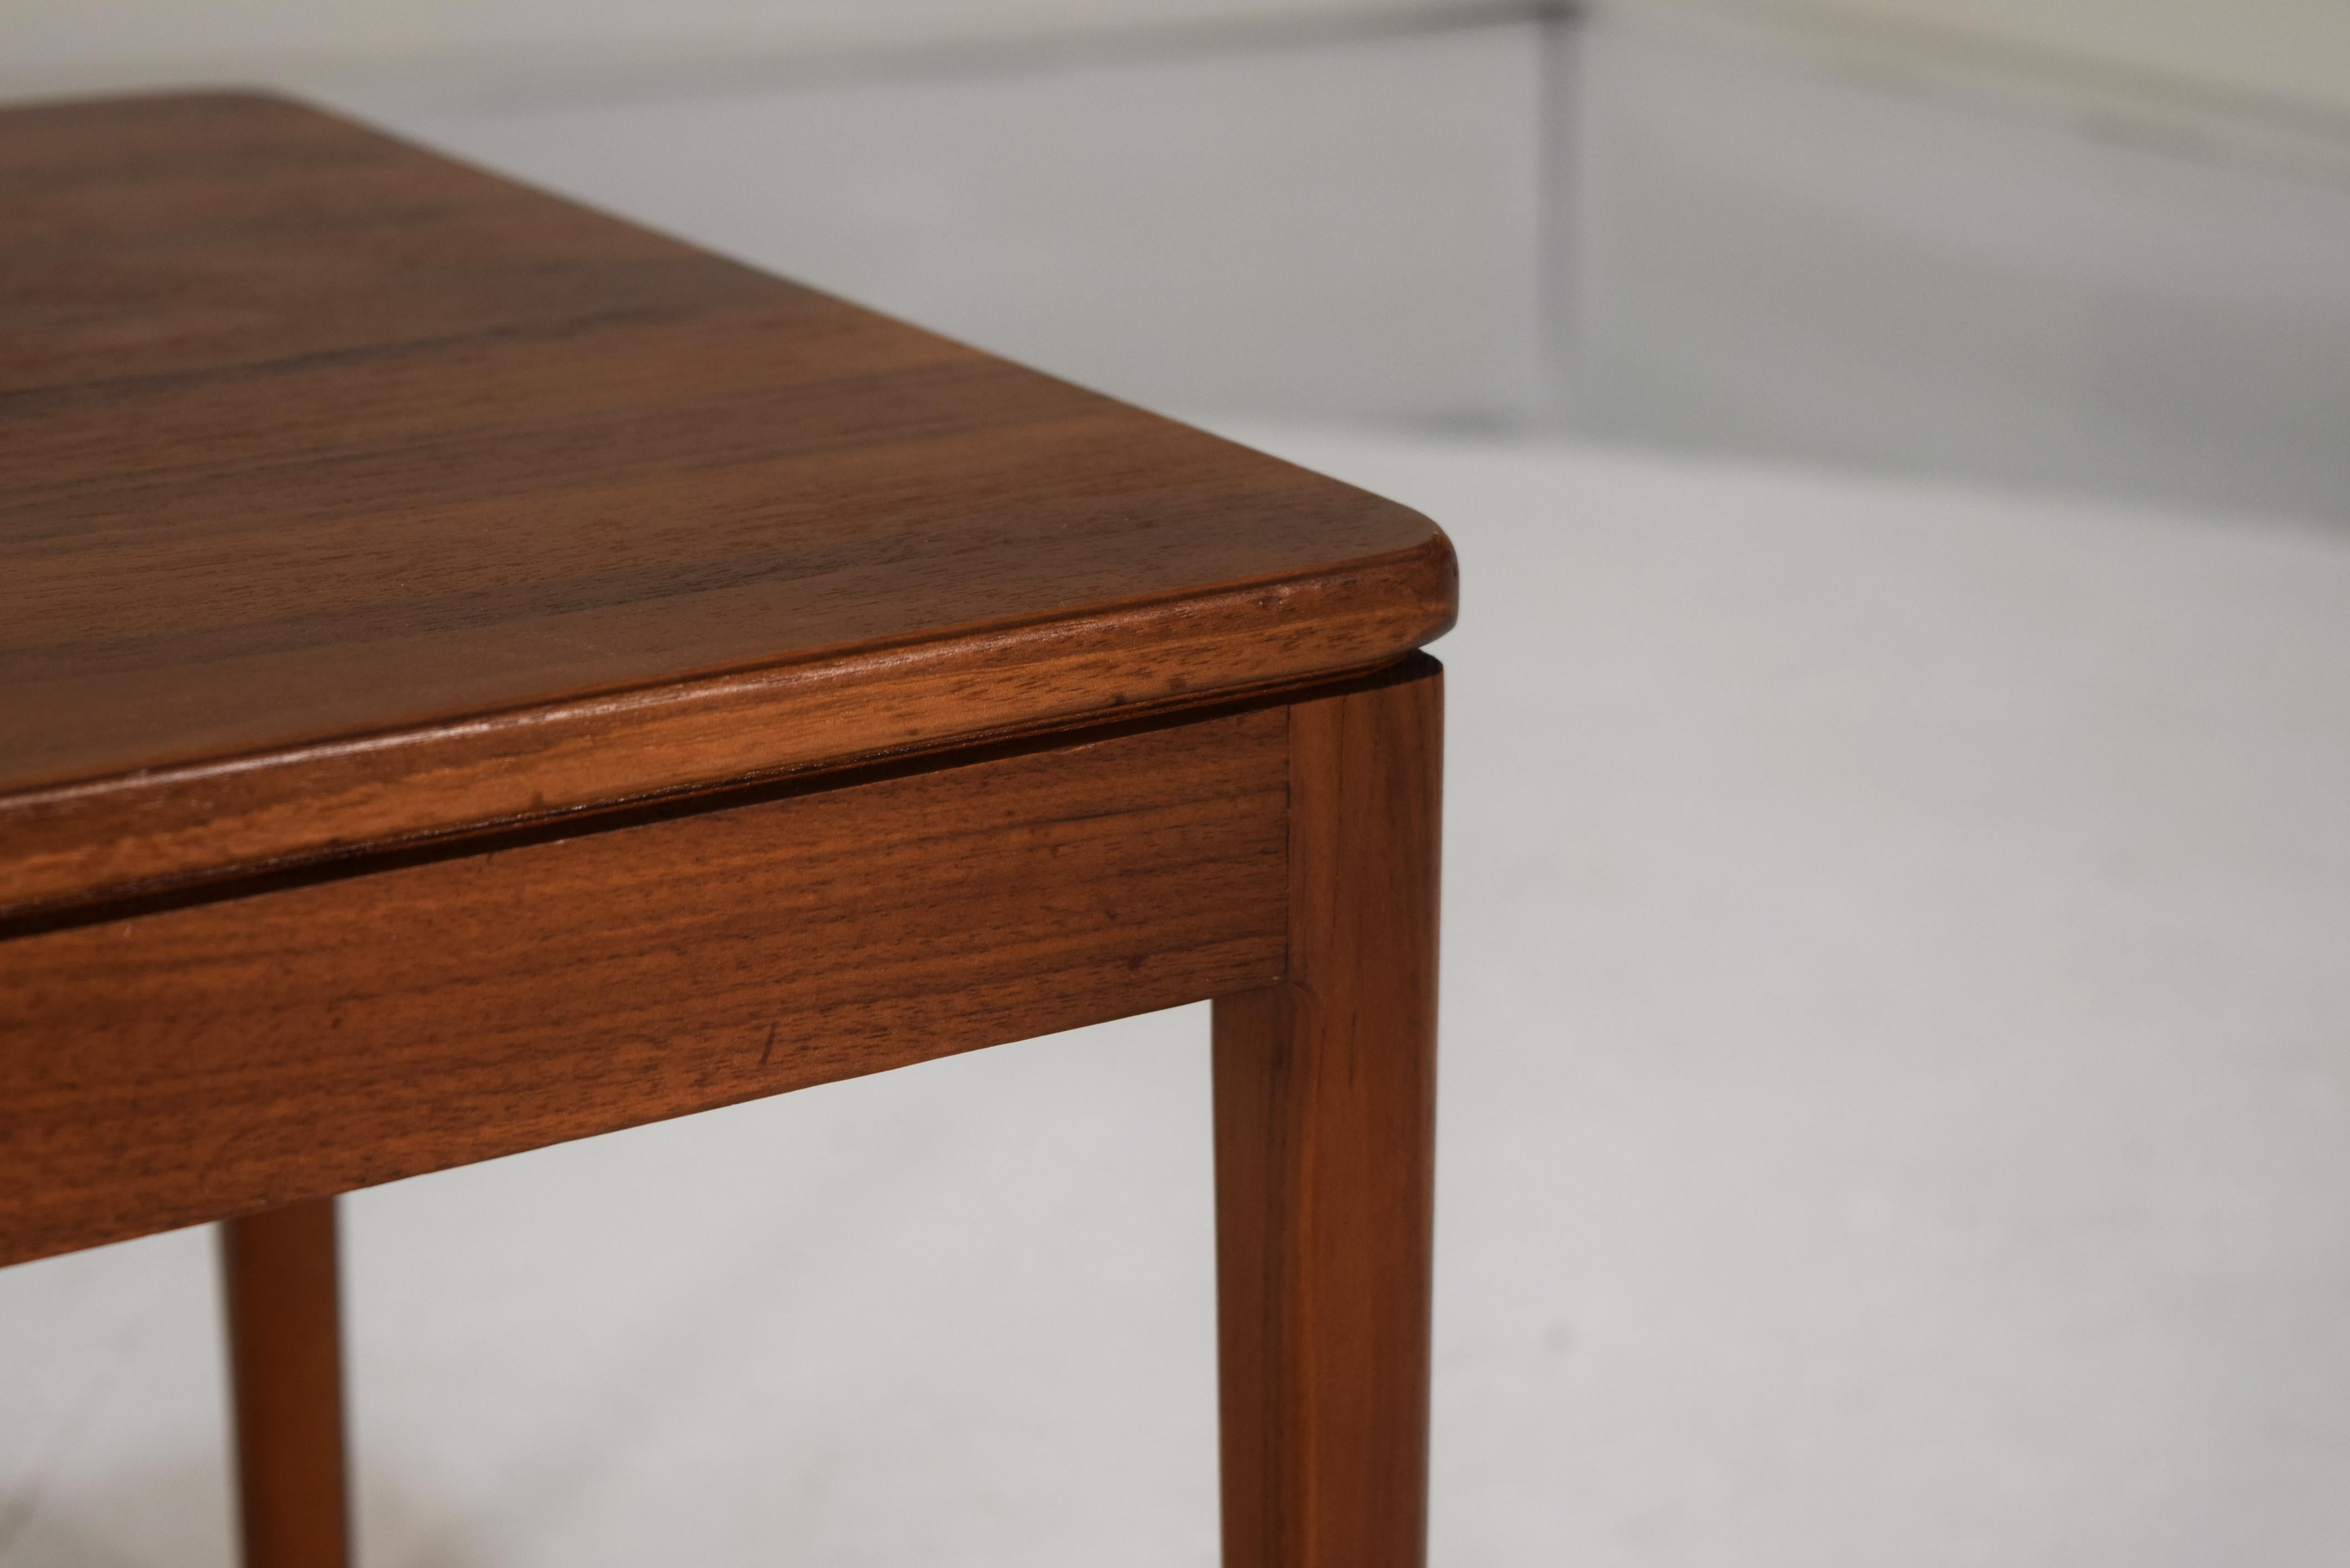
197	1063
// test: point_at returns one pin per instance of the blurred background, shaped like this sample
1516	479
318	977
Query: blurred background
1897	974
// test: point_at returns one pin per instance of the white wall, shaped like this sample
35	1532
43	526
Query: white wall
2089	244
1345	227
1800	243
504	49
2285	52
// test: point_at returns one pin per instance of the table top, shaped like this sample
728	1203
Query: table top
354	496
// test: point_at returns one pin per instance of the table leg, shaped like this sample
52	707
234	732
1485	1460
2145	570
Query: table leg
1325	1115
286	1385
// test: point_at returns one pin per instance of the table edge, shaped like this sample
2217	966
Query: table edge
95	839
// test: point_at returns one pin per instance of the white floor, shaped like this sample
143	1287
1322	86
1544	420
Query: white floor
1896	1111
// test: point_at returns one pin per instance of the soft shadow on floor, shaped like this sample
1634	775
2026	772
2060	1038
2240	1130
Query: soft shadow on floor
162	1513
175	1513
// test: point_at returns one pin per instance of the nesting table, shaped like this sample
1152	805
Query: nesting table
476	673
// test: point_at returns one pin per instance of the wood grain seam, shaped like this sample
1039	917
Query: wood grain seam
489	838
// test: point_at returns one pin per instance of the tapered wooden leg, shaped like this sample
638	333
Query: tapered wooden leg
278	1279
1325	1101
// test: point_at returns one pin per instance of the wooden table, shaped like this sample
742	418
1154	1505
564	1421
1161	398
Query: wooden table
479	674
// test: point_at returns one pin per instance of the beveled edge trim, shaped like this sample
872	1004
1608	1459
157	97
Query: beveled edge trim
78	843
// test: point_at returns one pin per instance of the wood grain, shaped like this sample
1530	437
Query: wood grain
354	496
1326	1134
201	1062
281	1303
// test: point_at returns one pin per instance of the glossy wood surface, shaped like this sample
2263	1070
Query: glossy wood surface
354	496
1326	1136
280	1298
194	1063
